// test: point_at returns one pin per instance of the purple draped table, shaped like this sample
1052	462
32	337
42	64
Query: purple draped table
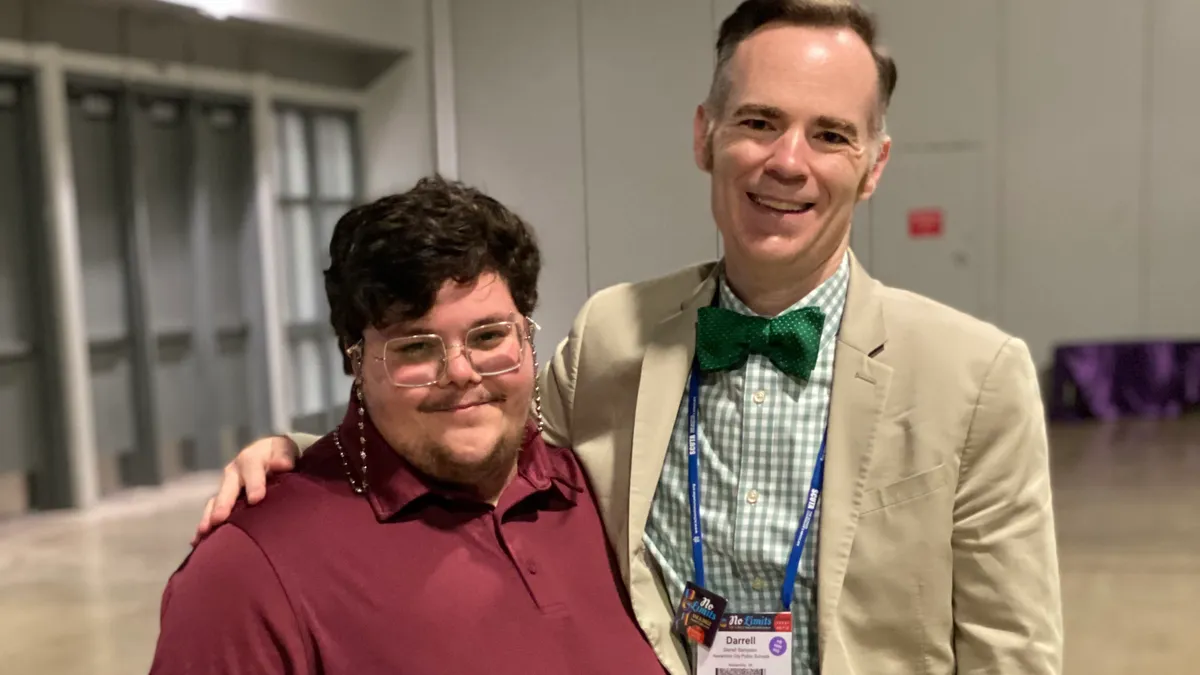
1125	379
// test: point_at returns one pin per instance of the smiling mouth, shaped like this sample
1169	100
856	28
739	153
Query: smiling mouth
467	406
463	406
781	206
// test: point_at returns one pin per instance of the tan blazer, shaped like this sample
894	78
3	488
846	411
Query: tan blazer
937	546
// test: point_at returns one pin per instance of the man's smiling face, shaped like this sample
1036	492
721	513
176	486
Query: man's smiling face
791	151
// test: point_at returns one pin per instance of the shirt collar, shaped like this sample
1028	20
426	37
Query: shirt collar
393	484
829	297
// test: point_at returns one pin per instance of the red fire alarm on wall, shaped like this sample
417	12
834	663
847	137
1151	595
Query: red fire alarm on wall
925	222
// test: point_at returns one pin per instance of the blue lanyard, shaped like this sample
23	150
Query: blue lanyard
810	508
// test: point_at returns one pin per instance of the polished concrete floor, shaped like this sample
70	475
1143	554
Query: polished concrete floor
79	593
1128	507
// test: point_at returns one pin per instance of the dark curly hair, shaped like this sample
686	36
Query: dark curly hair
389	258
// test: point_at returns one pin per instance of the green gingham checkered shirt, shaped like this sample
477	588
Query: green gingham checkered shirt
759	434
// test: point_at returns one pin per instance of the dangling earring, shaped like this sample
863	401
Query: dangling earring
359	487
537	388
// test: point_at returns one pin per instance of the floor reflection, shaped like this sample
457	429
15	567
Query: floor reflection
79	593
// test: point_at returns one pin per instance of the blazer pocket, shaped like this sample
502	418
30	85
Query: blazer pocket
905	489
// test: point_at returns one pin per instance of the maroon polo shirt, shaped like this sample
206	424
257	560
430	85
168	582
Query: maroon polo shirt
412	579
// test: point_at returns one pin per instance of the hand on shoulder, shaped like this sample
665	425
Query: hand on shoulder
248	471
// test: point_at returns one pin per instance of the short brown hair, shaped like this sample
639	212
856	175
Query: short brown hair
754	14
389	258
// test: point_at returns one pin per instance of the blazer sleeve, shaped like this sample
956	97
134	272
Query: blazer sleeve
557	384
1007	603
303	441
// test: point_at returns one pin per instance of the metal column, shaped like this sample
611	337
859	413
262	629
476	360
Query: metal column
204	332
72	476
144	465
273	342
26	414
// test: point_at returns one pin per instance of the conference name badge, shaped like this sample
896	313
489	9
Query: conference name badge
698	615
749	644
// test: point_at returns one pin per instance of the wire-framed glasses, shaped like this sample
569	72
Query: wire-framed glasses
491	349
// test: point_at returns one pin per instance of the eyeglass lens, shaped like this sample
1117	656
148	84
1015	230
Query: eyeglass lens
419	360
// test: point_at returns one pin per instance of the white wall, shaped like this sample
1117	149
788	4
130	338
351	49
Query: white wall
398	138
519	122
943	121
375	22
1075	129
647	204
1055	134
1171	212
576	115
1100	206
397	124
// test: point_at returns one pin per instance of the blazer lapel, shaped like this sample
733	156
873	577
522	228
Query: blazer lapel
665	369
860	387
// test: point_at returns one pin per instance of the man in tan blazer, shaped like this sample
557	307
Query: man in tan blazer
933	548
937	545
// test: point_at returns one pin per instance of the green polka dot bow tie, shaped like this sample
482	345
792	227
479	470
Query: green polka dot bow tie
725	339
